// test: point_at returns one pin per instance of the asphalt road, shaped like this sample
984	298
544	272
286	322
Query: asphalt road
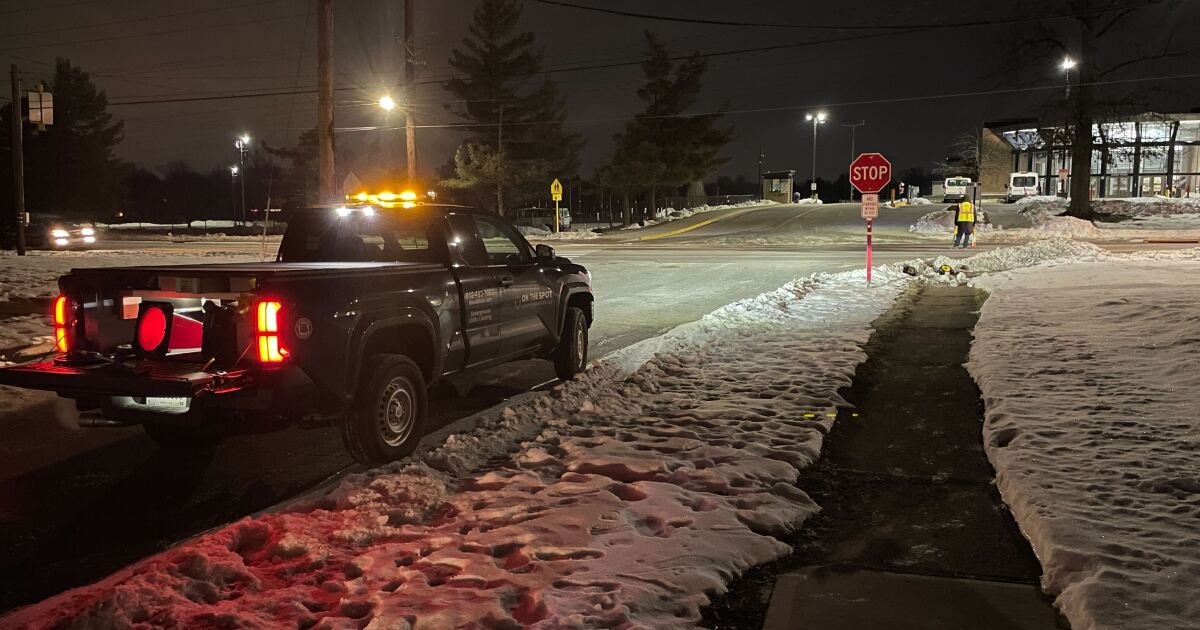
77	504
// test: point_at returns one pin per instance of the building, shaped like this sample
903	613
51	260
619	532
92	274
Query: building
777	186
1142	156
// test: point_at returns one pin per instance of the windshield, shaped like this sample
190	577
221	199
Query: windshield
957	182
1027	181
384	236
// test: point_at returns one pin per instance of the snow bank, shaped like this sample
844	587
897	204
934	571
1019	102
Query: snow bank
810	201
1088	376
620	500
36	275
571	235
676	215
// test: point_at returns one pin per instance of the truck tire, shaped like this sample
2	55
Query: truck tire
570	356
178	436
387	420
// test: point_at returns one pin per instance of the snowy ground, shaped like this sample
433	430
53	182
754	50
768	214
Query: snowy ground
1150	218
1089	377
676	215
623	498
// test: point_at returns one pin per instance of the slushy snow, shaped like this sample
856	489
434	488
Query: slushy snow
1089	379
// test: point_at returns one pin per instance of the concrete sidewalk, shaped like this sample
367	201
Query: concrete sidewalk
912	533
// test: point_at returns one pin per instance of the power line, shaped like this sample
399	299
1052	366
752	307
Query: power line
50	6
139	19
844	27
788	108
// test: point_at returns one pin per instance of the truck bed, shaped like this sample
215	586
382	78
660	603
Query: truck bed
298	270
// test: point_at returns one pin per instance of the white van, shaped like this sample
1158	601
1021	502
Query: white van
1021	185
955	189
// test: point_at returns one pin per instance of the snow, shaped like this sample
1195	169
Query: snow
1088	376
676	215
624	498
36	274
810	201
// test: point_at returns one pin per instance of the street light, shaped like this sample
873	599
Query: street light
233	175
1067	65
853	125
816	119
387	103
243	145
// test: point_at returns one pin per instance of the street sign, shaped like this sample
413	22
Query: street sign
870	206
870	173
556	190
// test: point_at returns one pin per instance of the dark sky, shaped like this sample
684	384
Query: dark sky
151	49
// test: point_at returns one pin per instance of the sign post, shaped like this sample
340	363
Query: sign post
556	195
870	173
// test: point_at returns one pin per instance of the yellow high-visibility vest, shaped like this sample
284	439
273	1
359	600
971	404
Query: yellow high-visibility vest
966	212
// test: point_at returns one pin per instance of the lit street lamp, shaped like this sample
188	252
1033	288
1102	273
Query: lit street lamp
243	145
816	119
1066	66
233	175
387	103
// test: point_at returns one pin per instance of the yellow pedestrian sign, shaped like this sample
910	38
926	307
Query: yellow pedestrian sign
556	190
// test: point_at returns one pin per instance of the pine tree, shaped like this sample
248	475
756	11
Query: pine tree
518	141
685	149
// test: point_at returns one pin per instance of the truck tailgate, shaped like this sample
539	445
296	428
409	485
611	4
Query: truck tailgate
143	378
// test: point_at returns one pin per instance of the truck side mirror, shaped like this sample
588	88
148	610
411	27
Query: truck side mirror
544	252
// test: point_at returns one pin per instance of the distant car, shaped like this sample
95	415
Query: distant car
955	189
542	218
51	232
1021	185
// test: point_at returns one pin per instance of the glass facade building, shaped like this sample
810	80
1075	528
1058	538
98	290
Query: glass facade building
1144	156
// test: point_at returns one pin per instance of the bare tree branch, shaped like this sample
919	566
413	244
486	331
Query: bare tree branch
1136	60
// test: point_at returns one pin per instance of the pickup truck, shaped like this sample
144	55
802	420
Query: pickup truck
363	310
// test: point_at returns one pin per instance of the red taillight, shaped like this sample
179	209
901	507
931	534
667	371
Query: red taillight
60	323
270	350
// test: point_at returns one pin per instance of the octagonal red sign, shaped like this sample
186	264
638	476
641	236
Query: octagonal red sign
870	172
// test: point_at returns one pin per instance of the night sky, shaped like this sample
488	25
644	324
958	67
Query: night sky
154	49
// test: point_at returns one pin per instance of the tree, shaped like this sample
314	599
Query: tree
70	168
518	140
682	149
962	157
1097	38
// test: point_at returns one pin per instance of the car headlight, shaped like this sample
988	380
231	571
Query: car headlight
60	234
87	232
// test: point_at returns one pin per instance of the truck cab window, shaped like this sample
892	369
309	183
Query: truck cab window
500	242
320	236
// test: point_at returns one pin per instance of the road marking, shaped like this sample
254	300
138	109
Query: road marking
798	216
701	224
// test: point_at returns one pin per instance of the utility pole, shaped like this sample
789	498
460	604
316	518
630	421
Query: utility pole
853	125
760	159
500	155
18	157
327	189
410	76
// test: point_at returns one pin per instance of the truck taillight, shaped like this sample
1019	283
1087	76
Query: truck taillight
60	316
266	328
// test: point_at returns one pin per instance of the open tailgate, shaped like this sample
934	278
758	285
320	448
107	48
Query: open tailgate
140	378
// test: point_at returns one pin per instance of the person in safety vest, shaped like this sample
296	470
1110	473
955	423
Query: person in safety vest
964	224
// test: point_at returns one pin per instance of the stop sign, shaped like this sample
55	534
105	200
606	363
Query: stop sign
870	172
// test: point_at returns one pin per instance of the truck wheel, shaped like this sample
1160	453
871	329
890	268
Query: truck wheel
174	435
388	418
570	356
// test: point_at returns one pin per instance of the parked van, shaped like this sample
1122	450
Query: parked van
955	189
542	218
1021	185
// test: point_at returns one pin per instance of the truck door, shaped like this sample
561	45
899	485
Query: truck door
528	310
481	291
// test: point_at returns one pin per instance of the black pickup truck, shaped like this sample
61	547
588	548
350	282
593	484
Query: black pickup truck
363	310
